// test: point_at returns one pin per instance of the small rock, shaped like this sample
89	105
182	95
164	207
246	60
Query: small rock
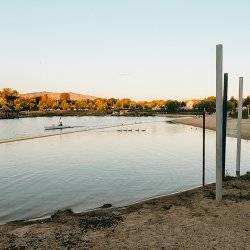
107	205
167	207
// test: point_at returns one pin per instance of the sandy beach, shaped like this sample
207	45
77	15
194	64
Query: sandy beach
188	220
210	124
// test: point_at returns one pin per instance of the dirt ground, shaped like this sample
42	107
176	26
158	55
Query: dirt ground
211	124
189	220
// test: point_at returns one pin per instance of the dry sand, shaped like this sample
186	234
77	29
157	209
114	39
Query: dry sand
211	124
189	220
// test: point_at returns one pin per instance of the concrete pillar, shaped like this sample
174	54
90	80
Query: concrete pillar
240	102
219	119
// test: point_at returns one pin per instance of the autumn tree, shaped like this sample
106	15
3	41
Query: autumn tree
111	103
9	95
3	103
56	105
232	104
101	105
45	103
33	103
65	97
246	102
209	104
123	103
82	104
22	104
172	106
183	104
65	105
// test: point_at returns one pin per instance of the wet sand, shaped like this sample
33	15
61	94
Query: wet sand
188	220
211	124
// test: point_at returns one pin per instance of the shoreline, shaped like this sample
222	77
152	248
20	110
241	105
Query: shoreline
190	219
211	125
77	114
96	209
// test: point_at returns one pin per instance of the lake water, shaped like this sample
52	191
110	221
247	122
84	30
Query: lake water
86	169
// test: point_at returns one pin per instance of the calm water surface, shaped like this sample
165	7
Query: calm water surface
84	170
28	127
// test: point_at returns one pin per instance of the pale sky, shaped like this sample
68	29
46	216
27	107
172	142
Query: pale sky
141	49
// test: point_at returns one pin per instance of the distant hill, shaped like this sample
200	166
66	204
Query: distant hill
56	95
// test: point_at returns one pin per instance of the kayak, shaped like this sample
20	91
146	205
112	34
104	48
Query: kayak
53	127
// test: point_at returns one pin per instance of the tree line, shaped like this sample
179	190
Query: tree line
209	104
10	99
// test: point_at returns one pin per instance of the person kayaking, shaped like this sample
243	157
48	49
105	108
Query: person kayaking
60	122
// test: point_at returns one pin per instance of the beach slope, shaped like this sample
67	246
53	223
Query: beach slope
211	124
188	220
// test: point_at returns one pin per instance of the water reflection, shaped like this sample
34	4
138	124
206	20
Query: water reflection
85	170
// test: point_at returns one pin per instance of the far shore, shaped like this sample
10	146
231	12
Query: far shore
188	220
130	113
211	124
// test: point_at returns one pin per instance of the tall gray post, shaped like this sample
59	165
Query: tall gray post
204	147
224	126
239	126
219	120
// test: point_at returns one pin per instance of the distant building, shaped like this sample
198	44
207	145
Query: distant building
124	111
157	108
